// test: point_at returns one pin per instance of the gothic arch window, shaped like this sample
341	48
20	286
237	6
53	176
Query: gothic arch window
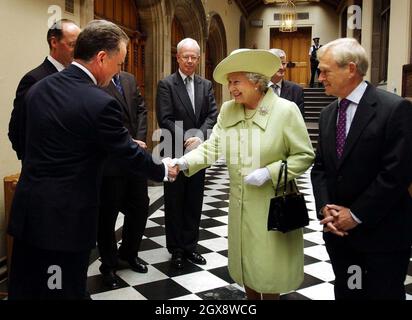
216	51
380	44
177	35
242	32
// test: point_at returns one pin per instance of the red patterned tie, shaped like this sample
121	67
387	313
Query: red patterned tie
341	127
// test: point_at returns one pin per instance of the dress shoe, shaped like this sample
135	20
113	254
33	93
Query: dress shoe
136	265
110	280
195	258
177	260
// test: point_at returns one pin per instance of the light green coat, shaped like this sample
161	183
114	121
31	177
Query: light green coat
265	261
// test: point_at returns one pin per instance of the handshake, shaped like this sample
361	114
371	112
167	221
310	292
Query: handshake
174	166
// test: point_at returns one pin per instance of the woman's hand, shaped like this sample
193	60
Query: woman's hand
258	177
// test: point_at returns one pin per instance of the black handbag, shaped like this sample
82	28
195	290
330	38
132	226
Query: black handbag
288	211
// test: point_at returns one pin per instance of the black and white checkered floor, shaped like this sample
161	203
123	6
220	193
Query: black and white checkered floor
212	281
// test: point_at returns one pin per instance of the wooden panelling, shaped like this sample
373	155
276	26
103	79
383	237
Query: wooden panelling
122	12
10	184
407	81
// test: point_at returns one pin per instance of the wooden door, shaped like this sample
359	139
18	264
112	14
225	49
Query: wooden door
296	46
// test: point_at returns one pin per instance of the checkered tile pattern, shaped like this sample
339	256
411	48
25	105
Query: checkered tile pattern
211	281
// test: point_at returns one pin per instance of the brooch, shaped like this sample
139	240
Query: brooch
263	110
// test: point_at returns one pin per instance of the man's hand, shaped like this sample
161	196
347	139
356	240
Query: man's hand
172	169
338	220
258	177
192	143
141	144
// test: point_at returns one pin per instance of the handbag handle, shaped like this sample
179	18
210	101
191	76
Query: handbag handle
283	168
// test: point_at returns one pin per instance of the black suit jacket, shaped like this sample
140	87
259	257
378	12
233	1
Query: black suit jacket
173	104
373	175
293	92
134	115
71	126
17	122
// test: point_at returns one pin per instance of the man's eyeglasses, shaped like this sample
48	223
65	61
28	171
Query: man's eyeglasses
187	58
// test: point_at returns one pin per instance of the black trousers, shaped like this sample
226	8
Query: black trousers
313	71
382	273
183	207
38	274
128	195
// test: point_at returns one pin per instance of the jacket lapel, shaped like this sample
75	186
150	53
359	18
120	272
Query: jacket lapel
364	113
284	89
111	88
330	140
198	96
183	95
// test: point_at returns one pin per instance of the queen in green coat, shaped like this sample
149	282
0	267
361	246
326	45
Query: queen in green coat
254	133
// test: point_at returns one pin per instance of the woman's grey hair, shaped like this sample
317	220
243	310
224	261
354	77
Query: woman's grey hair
99	35
188	41
345	51
259	79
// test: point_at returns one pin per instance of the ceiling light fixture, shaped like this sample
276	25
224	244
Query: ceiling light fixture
288	17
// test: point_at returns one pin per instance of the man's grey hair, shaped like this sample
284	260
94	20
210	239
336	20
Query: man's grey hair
278	52
345	51
99	35
259	79
188	41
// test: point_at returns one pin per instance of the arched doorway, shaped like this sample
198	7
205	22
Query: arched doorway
216	51
159	18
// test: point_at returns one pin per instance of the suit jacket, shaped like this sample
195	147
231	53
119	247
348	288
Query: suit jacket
293	92
374	172
173	104
17	122
71	126
134	115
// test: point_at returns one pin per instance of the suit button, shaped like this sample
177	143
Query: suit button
340	178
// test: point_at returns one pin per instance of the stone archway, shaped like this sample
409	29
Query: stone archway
156	18
192	17
216	51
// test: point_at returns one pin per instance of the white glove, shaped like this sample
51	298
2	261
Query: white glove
181	162
258	177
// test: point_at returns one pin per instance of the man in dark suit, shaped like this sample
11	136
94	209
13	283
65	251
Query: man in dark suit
283	88
314	61
121	191
361	176
61	38
72	125
186	108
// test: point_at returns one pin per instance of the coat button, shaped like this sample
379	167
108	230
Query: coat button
340	178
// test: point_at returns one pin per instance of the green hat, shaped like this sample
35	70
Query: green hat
247	60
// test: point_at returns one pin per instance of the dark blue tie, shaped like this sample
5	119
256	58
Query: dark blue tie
118	85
